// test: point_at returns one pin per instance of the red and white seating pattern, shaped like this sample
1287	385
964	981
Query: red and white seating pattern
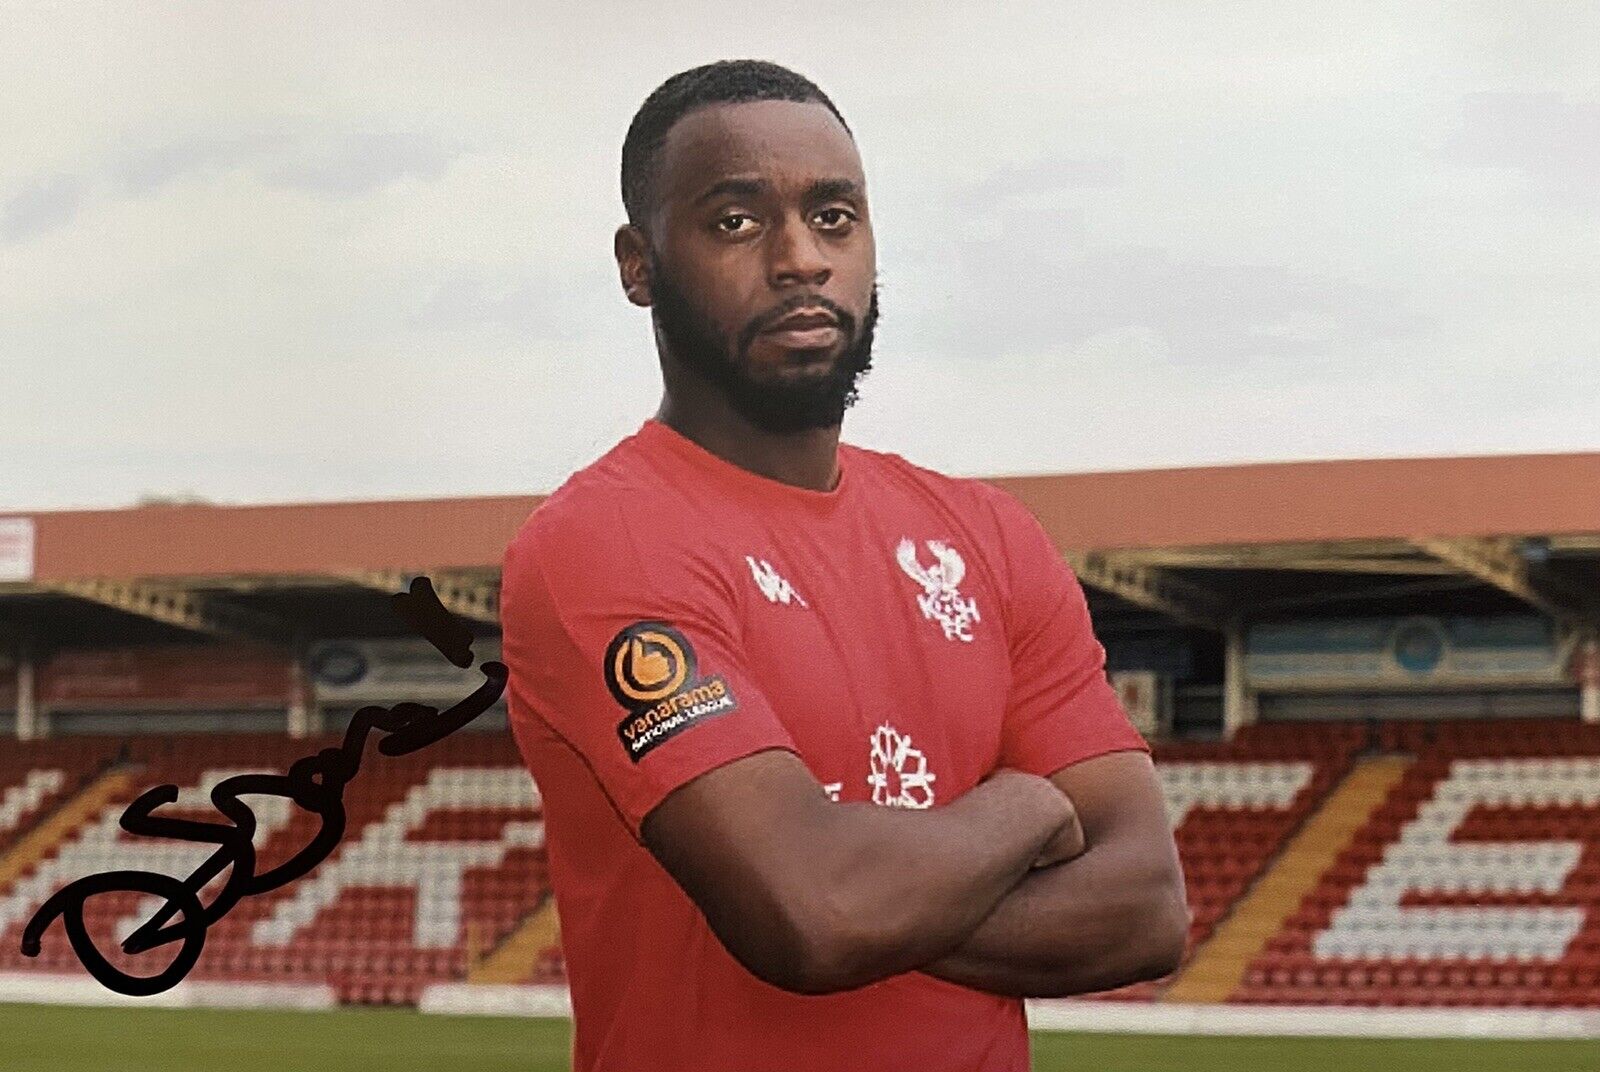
1231	786
1425	859
36	776
21	800
101	845
1476	883
386	855
442	858
1232	807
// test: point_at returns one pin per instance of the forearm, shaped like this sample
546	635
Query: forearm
904	887
1113	916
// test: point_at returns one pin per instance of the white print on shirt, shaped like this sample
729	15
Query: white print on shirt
774	587
939	600
833	789
900	777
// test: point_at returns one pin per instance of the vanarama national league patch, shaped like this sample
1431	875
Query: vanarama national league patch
650	670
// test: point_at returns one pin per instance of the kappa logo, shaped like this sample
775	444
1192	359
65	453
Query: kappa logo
650	669
940	601
774	587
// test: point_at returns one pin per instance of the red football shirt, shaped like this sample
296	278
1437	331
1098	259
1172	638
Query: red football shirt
666	611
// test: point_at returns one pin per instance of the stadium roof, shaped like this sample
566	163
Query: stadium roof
1200	546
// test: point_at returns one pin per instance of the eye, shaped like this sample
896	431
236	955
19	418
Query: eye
846	214
723	220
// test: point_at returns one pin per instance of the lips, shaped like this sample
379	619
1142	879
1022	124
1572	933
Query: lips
805	320
806	329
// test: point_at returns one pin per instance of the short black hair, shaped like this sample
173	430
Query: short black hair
722	82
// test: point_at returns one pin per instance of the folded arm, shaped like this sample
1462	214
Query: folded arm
815	896
1114	915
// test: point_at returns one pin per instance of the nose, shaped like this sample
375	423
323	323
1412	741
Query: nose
795	255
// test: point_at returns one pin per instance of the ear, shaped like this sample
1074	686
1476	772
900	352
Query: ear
633	263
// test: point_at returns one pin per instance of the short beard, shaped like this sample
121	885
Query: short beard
773	405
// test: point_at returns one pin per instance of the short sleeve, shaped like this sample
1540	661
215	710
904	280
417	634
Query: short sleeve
1061	708
633	664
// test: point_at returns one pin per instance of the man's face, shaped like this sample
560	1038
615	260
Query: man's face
761	212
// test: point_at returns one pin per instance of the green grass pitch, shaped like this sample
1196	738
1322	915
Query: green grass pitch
43	1038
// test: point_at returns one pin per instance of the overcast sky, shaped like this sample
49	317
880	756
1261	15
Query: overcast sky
292	252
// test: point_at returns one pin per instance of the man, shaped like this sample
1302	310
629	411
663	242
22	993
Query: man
832	774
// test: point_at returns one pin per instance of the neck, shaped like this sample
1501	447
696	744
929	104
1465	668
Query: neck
808	459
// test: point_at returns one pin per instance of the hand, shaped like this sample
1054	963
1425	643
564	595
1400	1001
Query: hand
1067	842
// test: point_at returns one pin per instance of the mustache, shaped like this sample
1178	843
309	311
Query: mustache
847	322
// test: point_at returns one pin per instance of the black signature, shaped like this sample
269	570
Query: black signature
315	783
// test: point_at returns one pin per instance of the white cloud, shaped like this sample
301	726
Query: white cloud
247	251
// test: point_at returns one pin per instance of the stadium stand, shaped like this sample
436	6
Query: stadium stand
413	910
36	779
1312	637
385	916
1233	804
442	859
1476	882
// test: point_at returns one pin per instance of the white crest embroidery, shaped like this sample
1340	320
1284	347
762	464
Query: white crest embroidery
939	600
774	587
900	777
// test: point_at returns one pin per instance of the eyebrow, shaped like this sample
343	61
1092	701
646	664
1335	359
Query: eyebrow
821	190
832	190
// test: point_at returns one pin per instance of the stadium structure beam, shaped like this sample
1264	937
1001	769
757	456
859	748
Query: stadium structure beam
1220	560
475	600
1384	557
1150	588
1320	549
275	582
179	607
1499	562
245	584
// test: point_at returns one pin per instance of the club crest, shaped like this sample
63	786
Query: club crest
940	600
